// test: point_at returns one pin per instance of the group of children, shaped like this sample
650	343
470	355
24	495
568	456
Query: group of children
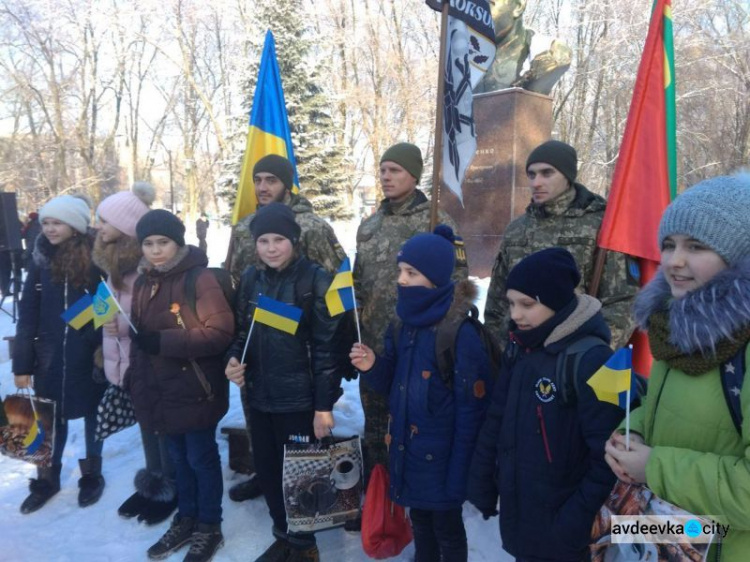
470	433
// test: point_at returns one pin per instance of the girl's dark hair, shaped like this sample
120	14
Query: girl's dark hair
72	260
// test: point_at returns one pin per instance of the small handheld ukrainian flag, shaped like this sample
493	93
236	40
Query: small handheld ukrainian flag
35	438
277	314
103	305
340	295
79	313
614	381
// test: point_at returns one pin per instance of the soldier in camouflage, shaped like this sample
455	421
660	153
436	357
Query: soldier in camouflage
563	214
404	213
273	176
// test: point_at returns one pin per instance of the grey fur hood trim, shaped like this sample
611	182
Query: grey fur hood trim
155	486
584	311
704	317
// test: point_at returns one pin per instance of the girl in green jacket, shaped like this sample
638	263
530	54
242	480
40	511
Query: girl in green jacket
686	446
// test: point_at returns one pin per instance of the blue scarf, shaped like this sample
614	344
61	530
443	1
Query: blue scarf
535	337
423	307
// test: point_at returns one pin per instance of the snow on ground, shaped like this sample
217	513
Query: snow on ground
63	532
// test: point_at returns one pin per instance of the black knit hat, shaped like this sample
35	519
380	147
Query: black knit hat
557	154
406	155
163	223
275	218
278	166
550	276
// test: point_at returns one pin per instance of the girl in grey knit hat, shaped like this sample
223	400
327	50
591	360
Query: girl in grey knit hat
691	438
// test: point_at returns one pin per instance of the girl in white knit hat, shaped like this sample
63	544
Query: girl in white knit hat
51	356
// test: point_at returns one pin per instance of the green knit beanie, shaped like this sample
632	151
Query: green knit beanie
406	155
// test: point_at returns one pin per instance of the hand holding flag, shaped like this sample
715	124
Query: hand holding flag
614	383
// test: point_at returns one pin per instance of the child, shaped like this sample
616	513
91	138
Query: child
175	377
545	458
683	443
58	357
293	381
433	422
118	252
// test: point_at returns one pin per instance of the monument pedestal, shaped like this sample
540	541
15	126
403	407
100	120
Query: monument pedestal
510	124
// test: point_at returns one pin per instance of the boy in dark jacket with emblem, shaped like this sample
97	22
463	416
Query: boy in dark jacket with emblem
293	380
434	420
175	377
545	457
51	356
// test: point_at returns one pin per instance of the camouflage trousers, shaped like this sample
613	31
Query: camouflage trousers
375	408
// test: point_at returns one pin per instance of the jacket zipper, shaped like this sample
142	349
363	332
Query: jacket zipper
64	359
543	428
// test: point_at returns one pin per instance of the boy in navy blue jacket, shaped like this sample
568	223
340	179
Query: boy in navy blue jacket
545	458
433	422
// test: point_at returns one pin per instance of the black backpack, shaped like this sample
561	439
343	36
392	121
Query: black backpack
446	333
568	363
347	334
222	276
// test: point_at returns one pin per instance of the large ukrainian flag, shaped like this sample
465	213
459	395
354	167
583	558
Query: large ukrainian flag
269	129
613	379
277	314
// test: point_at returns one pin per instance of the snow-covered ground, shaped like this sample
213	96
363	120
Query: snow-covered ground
63	532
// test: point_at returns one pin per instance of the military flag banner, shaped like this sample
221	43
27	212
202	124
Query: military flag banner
269	131
469	49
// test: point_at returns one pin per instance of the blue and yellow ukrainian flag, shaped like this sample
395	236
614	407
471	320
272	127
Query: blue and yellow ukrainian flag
340	295
613	379
80	312
103	305
269	129
277	314
35	438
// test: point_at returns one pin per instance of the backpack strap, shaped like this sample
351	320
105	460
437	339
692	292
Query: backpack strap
732	377
191	278
568	363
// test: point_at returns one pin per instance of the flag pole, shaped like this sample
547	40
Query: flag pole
247	341
437	156
596	278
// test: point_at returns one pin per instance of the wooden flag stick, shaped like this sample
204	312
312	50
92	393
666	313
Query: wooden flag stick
437	156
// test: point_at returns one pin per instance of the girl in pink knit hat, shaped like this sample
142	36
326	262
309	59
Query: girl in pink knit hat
118	253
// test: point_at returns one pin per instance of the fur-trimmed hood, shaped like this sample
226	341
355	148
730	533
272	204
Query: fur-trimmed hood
704	317
145	267
464	295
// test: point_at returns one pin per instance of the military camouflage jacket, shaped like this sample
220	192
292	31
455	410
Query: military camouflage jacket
572	222
379	238
318	242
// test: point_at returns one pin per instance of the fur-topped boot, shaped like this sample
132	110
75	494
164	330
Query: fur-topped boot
91	483
160	496
43	487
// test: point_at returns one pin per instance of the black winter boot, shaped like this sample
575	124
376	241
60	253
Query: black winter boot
160	493
247	490
132	506
206	540
91	483
179	534
277	552
43	487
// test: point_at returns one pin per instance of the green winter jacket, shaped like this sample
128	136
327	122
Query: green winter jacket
699	461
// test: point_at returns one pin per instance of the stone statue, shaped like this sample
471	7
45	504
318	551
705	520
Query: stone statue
524	59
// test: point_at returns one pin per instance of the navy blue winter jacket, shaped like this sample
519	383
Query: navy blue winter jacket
545	459
60	358
433	427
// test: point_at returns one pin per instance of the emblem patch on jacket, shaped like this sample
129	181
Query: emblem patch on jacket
545	390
